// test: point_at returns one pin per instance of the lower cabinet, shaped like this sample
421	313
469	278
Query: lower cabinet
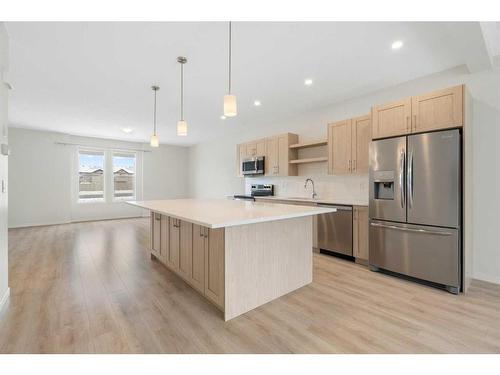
360	233
194	252
156	234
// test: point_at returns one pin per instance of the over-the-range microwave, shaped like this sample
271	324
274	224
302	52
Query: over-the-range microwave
252	166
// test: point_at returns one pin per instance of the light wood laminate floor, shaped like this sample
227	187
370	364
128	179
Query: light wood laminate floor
92	288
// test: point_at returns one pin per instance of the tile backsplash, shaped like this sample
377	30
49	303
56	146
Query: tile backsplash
348	187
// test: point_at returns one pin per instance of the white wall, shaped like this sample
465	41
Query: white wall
213	168
3	168
43	178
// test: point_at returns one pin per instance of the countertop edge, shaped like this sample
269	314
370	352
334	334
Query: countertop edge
235	223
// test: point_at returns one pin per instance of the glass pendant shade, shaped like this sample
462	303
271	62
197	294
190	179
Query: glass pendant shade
182	128
230	105
154	141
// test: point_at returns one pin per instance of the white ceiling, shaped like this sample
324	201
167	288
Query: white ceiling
94	78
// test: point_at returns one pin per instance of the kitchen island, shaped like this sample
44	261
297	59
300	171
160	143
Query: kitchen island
238	254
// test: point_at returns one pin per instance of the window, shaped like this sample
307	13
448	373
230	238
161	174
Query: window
123	176
90	176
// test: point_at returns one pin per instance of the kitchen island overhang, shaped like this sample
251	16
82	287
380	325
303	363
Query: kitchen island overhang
238	254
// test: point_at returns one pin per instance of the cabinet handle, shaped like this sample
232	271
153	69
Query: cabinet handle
407	122
201	231
349	165
157	217
415	121
354	165
206	232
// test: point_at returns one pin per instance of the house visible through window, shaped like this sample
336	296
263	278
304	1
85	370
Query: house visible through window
123	176
91	176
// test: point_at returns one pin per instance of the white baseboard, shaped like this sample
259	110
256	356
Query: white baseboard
487	278
4	299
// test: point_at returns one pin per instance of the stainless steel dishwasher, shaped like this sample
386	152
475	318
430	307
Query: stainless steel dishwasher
335	230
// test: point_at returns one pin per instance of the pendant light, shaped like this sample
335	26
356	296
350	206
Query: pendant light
154	139
229	99
182	126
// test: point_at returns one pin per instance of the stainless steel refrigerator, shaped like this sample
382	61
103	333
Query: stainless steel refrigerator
415	207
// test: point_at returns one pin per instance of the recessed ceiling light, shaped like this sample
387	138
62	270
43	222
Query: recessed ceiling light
256	103
223	117
308	82
397	44
127	130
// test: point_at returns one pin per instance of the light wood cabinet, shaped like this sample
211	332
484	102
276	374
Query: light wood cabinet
186	249
360	233
194	252
276	151
164	238
214	265
339	147
279	154
391	119
198	258
156	234
348	143
440	109
174	244
360	142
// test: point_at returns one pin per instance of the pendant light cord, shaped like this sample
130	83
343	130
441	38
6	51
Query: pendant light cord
154	115
182	92
229	57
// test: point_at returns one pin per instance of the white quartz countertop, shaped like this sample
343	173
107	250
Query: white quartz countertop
347	202
220	213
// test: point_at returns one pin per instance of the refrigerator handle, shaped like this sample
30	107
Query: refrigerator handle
410	179
401	178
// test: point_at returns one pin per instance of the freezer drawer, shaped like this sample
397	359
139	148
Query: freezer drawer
427	253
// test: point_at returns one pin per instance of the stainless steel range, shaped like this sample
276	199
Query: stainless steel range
415	207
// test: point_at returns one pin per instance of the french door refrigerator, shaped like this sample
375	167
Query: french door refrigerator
415	207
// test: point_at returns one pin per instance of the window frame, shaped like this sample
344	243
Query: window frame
104	176
123	152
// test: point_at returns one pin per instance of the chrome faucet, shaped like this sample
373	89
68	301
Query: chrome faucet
314	195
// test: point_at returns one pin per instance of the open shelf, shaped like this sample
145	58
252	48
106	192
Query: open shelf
309	144
309	160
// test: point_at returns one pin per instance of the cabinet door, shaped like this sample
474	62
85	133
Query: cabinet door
241	153
214	266
272	157
360	232
361	137
198	261
156	234
391	119
339	147
174	244
251	149
164	238
261	147
186	249
438	110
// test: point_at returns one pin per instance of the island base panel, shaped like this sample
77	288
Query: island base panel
265	261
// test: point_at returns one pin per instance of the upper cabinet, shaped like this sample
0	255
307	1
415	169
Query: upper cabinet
437	110
391	119
348	142
276	151
361	137
279	154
